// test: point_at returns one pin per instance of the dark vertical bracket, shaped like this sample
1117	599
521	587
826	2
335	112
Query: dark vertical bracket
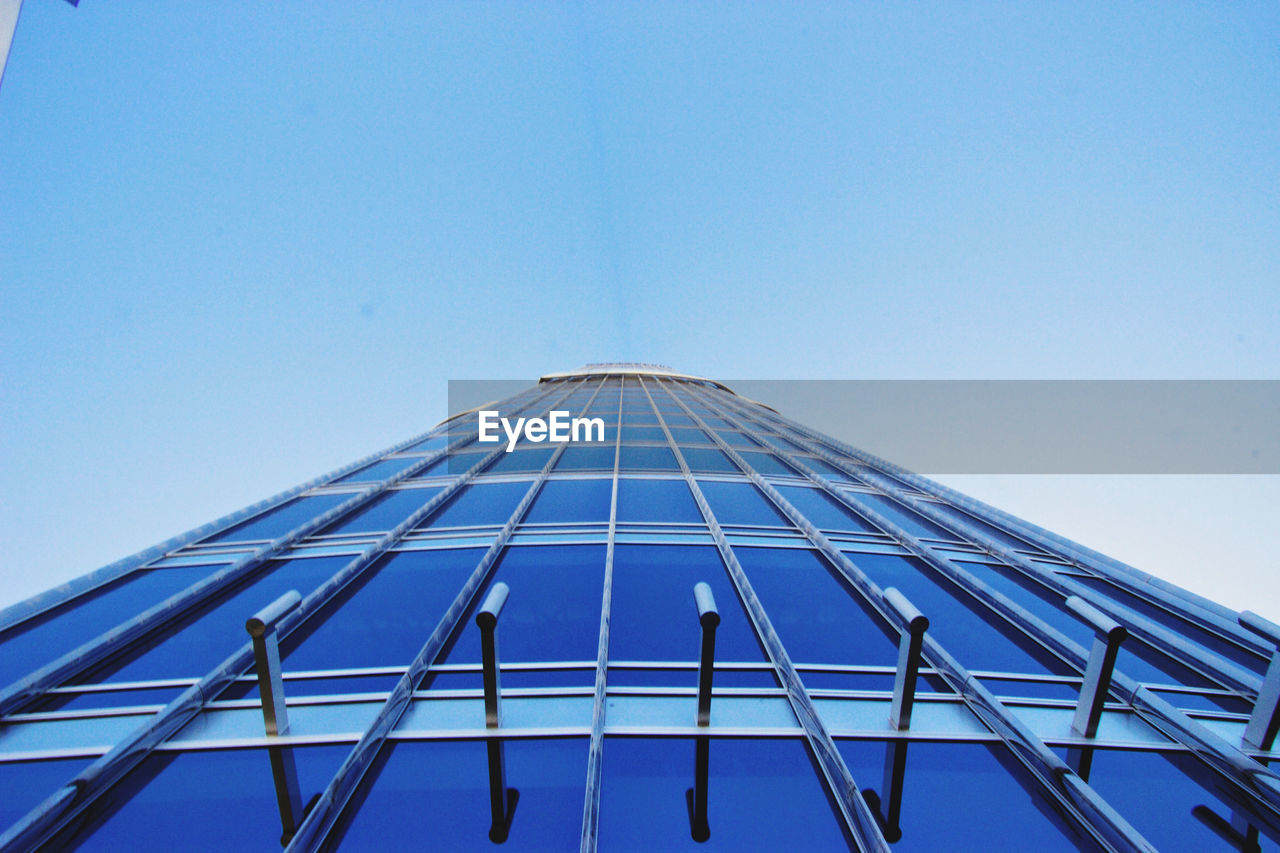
275	715
1108	635
502	800
696	797
904	682
1265	719
914	625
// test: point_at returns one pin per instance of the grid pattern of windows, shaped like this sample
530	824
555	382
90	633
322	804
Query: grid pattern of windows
889	664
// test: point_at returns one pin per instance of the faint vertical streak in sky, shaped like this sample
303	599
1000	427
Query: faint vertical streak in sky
601	180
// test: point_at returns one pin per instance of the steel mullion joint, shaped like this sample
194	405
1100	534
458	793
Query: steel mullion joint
854	811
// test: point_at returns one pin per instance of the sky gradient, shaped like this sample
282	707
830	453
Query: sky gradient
242	244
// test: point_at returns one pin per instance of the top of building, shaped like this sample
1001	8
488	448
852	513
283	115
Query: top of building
630	368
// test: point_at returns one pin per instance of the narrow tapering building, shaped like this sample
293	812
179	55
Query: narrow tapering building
648	615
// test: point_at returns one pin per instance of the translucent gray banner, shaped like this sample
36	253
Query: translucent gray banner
1021	426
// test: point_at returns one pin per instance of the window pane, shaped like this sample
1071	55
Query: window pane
707	459
656	500
740	503
648	459
482	504
653	615
818	619
378	471
910	521
385	619
952	794
521	460
766	464
823	511
436	796
580	458
571	502
277	522
762	794
385	512
214	800
25	784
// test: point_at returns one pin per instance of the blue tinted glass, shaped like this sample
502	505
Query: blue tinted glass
521	460
277	522
683	436
205	638
656	500
461	463
436	442
762	794
675	420
707	459
740	503
214	800
385	512
24	784
105	699
1190	800
735	439
385	619
648	459
482	504
378	471
653	615
642	433
831	472
903	517
580	458
552	612
818	619
994	532
766	464
436	796
958	796
823	511
571	502
977	637
49	636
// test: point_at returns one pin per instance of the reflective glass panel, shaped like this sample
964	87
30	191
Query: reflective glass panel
379	471
525	459
656	500
385	512
823	511
24	784
571	502
648	459
578	457
740	503
910	521
481	504
707	459
276	522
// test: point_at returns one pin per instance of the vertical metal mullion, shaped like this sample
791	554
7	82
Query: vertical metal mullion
1257	782
853	810
1093	814
71	799
327	810
595	755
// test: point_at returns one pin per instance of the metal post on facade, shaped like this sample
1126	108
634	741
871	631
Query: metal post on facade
502	801
275	715
904	682
1108	635
696	797
1265	719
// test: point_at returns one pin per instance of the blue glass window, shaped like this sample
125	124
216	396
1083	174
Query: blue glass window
213	800
521	460
707	459
553	611
823	511
461	463
386	618
766	464
582	458
653	615
910	521
740	503
831	472
762	794
683	436
436	794
817	617
962	796
379	471
25	784
571	502
977	637
647	459
49	636
480	504
277	522
384	512
642	433
656	500
205	638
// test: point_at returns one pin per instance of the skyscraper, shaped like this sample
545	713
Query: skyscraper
705	627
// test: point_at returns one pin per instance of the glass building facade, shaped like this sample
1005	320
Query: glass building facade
716	629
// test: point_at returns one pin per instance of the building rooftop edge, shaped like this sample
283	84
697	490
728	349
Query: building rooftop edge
630	368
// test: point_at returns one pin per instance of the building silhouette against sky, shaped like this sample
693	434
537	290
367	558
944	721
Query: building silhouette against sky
716	629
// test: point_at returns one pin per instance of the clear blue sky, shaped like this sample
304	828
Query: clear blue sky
244	243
